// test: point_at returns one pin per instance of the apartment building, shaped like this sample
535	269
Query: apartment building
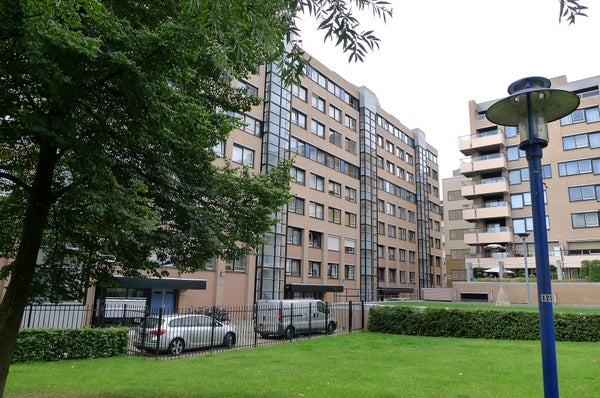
364	222
492	192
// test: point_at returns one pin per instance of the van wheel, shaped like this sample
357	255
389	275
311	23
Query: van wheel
290	332
176	346
331	327
229	340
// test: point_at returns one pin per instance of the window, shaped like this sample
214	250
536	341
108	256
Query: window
575	167
575	142
399	152
210	264
350	145
250	89
585	220
350	122
402	213
333	270
412	236
335	138
296	205
318	102
294	236
298	175
411	256
380	162
380	205
389	166
349	245
402	235
298	118
380	249
379	140
335	188
521	225
411	216
409	158
350	220
317	182
315	239
219	149
410	178
334	215
237	265
316	210
299	91
402	254
390	209
349	271
314	269
511	131
587	192
391	231
243	155
391	253
389	146
335	113
293	267
514	153
412	276
380	228
400	172
333	243
588	115
457	234
391	275
317	128
351	194
402	276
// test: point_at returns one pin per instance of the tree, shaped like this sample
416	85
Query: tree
110	111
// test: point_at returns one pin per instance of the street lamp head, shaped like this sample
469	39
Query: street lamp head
523	235
531	105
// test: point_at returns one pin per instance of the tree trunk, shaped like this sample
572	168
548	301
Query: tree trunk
17	293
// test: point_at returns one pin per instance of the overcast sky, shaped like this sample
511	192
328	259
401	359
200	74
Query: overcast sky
437	55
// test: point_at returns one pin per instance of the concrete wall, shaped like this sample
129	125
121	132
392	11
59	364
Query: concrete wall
565	293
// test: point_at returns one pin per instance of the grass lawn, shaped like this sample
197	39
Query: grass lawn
348	365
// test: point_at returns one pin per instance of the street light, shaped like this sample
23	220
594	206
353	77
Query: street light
531	105
524	235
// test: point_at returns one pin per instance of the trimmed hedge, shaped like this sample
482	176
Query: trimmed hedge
56	344
486	324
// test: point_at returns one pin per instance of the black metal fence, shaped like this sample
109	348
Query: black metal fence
196	330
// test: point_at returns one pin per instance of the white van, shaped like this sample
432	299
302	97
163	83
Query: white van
286	318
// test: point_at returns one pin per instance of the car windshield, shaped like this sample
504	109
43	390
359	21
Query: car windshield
149	323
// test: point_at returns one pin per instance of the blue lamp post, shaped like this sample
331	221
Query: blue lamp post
530	106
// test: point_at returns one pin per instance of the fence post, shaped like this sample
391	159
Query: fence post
310	319
291	317
158	334
350	316
362	315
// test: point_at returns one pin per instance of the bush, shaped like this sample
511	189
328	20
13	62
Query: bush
486	324
55	344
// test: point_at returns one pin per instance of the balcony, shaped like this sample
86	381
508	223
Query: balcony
488	186
486	236
497	209
485	141
494	162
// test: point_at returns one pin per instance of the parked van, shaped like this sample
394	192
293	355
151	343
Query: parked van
286	318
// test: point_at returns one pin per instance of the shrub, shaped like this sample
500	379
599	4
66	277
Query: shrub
55	344
487	324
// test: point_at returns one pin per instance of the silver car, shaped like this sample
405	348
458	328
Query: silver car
178	332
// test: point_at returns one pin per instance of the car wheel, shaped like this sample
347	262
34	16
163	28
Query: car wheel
331	327
264	335
176	346
229	340
290	332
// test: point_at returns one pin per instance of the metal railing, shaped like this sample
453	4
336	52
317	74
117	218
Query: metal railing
193	330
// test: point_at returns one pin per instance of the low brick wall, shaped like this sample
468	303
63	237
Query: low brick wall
564	293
